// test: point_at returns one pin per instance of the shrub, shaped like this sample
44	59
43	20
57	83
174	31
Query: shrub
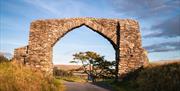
59	72
157	78
3	59
160	78
15	77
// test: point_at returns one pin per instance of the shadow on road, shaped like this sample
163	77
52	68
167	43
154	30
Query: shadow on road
104	85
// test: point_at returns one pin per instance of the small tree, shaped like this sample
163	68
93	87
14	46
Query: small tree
98	66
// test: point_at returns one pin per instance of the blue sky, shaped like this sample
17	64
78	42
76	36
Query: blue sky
159	21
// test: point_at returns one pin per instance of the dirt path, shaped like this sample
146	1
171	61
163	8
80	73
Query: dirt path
75	86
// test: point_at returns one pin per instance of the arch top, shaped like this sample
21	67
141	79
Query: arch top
83	18
47	32
42	23
59	27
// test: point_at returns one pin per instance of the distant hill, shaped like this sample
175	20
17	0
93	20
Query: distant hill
161	62
67	67
70	67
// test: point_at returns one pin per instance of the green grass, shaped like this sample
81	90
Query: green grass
15	77
155	77
92	19
70	78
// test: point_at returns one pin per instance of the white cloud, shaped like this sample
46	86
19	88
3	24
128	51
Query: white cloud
44	6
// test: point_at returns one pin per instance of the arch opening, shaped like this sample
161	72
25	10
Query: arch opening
84	39
90	28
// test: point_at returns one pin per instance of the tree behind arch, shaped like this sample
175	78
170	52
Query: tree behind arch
94	65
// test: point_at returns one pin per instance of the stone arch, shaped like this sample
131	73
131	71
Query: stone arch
123	34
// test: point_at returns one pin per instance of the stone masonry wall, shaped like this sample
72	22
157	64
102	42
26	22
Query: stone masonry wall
20	54
132	55
123	34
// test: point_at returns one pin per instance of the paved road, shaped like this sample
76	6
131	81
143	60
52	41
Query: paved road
75	86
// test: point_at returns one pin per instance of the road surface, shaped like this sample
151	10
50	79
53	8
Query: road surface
76	86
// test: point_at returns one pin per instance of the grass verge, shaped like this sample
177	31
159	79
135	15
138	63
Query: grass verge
15	77
70	78
155	77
